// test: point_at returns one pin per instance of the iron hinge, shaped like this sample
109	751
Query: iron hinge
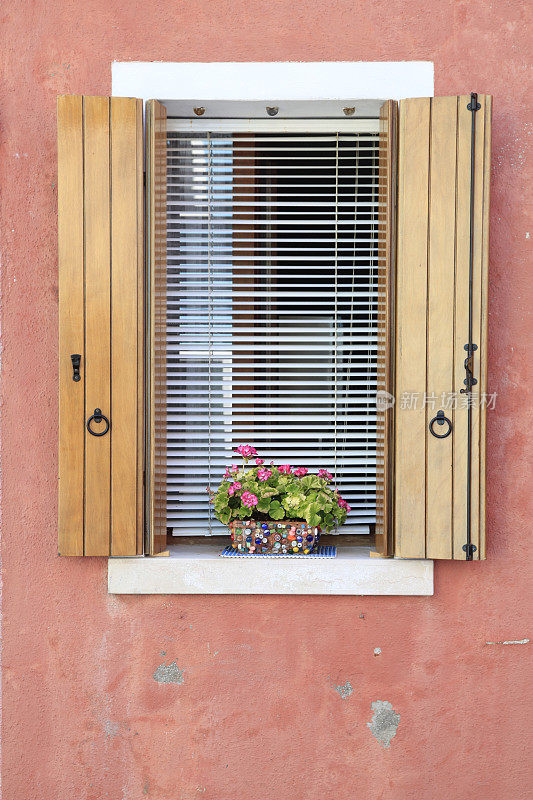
469	549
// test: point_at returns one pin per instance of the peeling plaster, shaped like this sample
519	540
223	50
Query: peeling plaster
384	724
111	729
511	641
345	690
169	673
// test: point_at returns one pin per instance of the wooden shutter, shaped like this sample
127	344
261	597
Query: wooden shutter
441	284
385	327
100	199
156	319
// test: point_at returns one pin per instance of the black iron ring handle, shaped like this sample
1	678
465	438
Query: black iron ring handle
98	417
440	419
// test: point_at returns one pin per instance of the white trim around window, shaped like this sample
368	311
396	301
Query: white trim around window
197	568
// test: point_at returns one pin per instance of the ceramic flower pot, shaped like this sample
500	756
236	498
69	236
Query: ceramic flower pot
285	537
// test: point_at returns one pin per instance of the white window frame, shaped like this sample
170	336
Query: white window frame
197	568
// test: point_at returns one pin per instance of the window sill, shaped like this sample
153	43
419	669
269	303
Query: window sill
197	569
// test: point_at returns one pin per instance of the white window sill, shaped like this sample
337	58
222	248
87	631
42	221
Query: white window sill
198	569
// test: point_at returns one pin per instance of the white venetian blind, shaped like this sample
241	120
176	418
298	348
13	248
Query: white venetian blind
272	306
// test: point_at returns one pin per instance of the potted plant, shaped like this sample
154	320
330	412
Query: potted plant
276	509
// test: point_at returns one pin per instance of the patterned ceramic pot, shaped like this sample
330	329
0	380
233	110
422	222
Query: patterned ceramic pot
285	537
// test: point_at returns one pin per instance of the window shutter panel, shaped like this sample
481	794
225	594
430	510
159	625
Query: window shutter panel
385	321
100	207
156	428
438	482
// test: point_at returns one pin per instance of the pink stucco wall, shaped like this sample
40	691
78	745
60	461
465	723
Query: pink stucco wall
253	713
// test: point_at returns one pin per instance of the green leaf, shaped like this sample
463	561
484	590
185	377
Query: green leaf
263	505
224	516
312	514
275	510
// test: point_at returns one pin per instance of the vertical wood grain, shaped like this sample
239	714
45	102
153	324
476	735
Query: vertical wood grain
440	513
440	333
411	311
462	239
156	160
97	323
484	388
101	306
385	327
71	325
124	325
141	333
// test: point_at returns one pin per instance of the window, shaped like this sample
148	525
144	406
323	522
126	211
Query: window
272	242
380	286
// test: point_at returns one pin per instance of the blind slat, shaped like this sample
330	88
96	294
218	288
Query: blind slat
272	256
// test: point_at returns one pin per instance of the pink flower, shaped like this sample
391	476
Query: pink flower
246	451
343	504
235	487
235	468
249	499
227	473
323	473
259	461
285	469
300	472
264	474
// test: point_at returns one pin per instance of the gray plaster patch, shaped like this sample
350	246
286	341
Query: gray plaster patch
384	723
345	690
111	729
168	673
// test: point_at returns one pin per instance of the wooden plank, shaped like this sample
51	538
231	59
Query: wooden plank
157	317
71	326
384	544
441	268
478	335
462	239
97	322
484	389
481	191
411	310
124	325
141	340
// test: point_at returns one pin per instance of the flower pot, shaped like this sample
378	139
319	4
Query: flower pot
285	537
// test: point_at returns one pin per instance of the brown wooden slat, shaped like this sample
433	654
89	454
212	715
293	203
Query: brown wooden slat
101	272
484	389
411	313
432	517
141	333
71	329
97	322
440	320
384	544
125	353
156	179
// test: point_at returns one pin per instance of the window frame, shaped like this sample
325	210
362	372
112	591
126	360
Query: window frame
215	82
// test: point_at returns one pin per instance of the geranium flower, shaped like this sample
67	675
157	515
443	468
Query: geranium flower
249	499
343	504
235	468
259	461
323	473
235	487
285	469
264	474
300	472
246	451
